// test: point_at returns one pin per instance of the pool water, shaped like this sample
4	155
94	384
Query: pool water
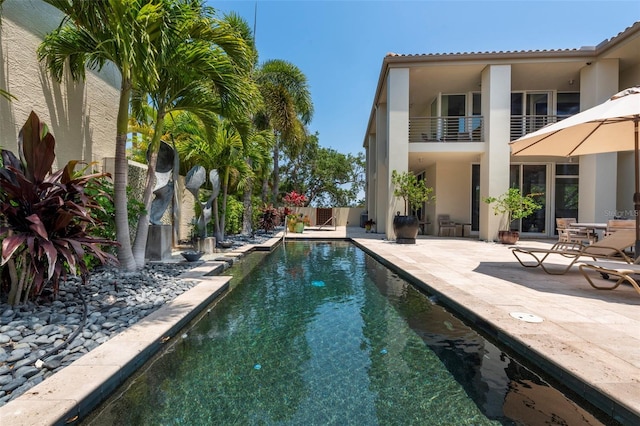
322	334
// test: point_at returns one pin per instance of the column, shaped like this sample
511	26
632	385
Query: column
494	163
397	137
598	178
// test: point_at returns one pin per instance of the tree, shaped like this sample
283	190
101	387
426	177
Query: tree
204	69
287	108
259	160
130	34
217	145
328	177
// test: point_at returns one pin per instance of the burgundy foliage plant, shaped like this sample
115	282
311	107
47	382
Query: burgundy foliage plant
45	218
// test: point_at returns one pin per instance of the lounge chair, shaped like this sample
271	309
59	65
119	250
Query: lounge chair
620	270
611	247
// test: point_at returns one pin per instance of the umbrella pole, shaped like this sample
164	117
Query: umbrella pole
636	195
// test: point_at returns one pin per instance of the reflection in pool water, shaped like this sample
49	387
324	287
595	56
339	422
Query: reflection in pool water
321	333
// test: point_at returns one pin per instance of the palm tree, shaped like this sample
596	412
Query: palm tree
258	159
130	34
204	69
217	145
287	108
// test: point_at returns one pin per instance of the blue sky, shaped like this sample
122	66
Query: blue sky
340	45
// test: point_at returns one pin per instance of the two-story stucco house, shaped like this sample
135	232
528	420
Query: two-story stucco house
449	119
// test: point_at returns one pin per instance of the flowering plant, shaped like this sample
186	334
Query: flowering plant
294	199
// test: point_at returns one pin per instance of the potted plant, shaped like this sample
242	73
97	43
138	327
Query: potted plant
295	221
414	192
368	225
513	206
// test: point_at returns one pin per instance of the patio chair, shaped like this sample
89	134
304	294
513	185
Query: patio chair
611	247
614	225
445	224
623	272
569	234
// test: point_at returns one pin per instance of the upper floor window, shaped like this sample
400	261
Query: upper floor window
567	104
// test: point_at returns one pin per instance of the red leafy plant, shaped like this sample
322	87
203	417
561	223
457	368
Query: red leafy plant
294	199
44	218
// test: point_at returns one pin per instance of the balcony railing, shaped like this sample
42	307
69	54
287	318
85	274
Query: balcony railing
469	128
445	129
523	124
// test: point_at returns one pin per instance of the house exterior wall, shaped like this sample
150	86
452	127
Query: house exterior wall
598	186
80	115
410	110
452	177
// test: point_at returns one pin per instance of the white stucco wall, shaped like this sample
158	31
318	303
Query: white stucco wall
598	185
398	135
81	116
494	163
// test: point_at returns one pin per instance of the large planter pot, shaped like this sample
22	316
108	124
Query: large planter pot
508	237
299	228
405	228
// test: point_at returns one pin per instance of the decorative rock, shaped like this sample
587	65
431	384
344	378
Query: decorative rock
26	371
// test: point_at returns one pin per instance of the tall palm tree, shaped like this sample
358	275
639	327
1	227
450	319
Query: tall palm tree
204	69
287	108
128	33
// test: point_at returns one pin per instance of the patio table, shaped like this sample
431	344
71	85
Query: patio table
594	227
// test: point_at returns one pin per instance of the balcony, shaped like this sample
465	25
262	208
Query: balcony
469	128
445	129
523	124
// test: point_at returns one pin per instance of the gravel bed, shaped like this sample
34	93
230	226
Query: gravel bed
37	340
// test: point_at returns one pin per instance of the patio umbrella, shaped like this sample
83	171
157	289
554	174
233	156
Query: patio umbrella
609	127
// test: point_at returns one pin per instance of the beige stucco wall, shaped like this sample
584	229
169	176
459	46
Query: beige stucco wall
452	177
81	116
344	216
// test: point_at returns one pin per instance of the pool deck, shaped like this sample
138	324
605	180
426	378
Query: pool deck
588	339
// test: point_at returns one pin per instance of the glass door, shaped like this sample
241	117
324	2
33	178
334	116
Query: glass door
531	179
537	110
566	198
453	106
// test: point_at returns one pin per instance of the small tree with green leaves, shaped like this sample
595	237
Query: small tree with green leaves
514	205
414	192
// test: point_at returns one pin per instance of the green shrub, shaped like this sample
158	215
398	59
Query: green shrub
101	190
233	221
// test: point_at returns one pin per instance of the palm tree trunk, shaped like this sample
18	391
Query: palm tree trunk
123	236
216	221
247	212
276	173
142	232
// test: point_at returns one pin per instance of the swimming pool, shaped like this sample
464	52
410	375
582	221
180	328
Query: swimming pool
321	333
